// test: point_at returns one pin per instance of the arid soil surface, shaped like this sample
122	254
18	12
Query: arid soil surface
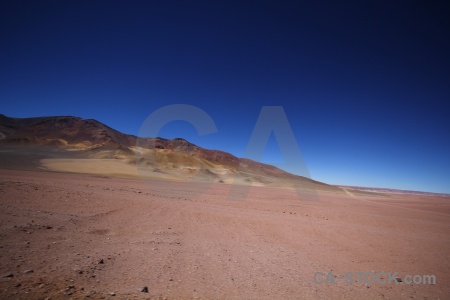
85	236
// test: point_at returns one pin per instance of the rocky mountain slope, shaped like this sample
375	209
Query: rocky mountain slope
87	138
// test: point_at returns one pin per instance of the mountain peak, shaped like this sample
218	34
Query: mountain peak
93	139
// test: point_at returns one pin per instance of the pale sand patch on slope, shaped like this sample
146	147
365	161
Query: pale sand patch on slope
66	235
121	169
104	167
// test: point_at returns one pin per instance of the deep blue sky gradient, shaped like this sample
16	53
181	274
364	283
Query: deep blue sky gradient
365	84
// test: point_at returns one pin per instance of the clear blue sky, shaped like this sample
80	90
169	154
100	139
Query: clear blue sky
365	84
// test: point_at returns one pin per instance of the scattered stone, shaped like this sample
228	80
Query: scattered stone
112	294
101	261
398	279
28	271
144	289
8	275
48	227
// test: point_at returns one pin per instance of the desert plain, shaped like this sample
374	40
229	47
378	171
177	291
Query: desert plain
69	235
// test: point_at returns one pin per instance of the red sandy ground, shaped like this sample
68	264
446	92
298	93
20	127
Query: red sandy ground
192	240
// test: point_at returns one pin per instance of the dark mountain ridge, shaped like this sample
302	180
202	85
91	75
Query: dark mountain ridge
92	136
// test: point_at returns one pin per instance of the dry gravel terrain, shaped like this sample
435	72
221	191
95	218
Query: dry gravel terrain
75	236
